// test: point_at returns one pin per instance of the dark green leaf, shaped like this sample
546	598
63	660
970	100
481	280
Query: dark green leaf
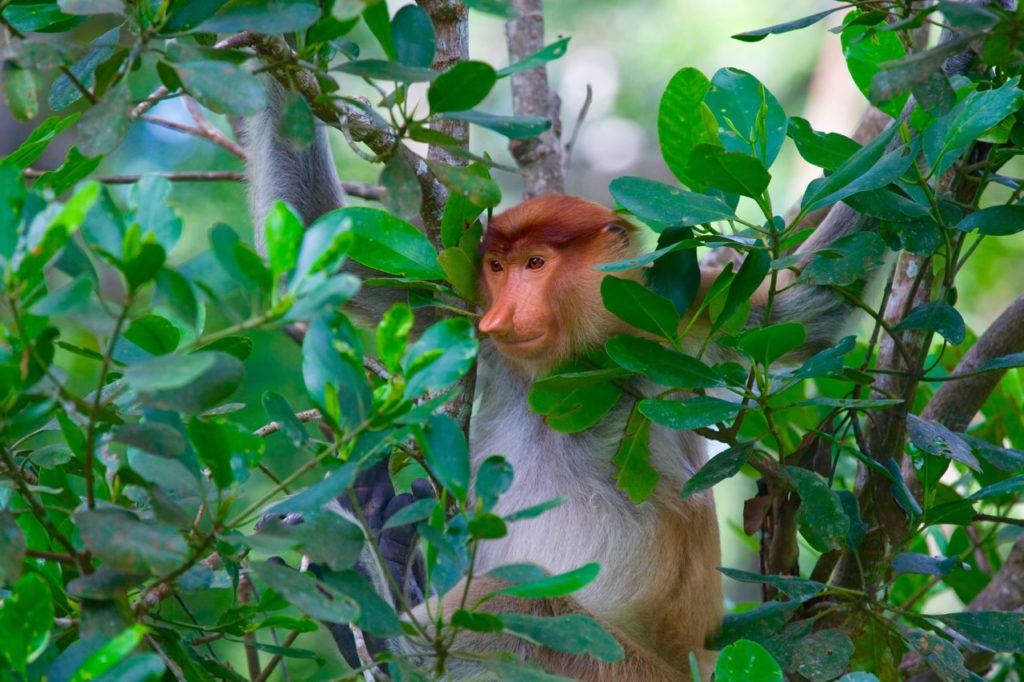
439	357
20	91
824	655
270	16
205	79
730	172
384	242
661	365
723	465
191	384
795	24
758	623
480	191
1010	485
936	316
402	191
104	125
153	334
378	69
640	307
576	407
420	510
317	495
799	589
118	538
767	344
750	119
461	87
539	58
446	453
116	650
413	33
997	221
656	201
12	548
154	437
500	8
635	476
866	49
283	232
493	479
824	150
512	127
692	413
845	261
573	633
307	595
941	655
821	517
868	169
922	564
994	630
64	92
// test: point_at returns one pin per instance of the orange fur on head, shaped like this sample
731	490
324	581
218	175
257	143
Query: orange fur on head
543	294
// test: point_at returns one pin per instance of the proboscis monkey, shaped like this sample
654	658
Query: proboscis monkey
659	591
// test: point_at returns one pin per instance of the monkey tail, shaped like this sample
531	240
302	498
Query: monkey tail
306	179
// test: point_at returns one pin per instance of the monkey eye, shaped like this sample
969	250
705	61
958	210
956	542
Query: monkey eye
495	266
535	263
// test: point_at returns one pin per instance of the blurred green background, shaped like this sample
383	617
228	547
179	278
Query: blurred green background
626	51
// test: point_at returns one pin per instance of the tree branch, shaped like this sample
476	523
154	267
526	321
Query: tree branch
539	158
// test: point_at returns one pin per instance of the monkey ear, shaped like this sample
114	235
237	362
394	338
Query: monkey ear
621	230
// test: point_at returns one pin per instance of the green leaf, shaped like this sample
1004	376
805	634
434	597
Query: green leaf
785	27
871	168
866	50
20	91
116	537
512	127
154	437
71	298
743	286
480	191
821	517
750	119
757	623
283	232
26	619
402	192
446	453
317	495
296	125
799	589
39	139
936	316
461	87
413	34
315	599
42	245
661	365
226	448
493	479
723	465
41	17
149	199
460	270
994	630
731	172
845	261
420	510
573	408
332	369
205	78
765	345
640	307
384	242
63	92
270	16
572	633
746	661
824	655
325	244
635	476
513	668
941	655
105	124
658	202
113	652
684	121
998	221
153	334
691	413
553	586
378	69
922	564
947	136
280	410
192	383
439	358
676	271
12	548
541	57
824	150
12	196
1010	485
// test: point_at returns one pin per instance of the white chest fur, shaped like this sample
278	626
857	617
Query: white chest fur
596	522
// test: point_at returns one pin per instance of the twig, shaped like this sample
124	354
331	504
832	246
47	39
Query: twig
206	132
999	519
363	652
51	556
151	101
273	427
571	144
171	665
252	656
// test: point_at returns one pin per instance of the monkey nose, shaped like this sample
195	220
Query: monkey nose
495	321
